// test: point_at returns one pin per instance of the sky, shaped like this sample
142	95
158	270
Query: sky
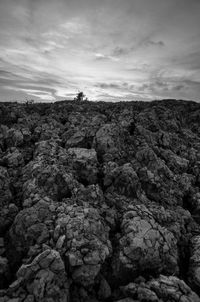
110	49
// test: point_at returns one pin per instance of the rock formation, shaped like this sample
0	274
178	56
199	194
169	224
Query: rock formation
100	202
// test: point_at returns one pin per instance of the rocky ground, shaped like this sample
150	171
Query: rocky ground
100	202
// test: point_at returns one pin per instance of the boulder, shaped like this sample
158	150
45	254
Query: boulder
144	245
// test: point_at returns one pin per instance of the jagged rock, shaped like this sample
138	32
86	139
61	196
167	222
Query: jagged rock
176	163
47	129
81	132
79	233
44	279
26	135
194	202
173	288
14	138
123	180
29	226
108	142
75	138
194	269
48	174
144	245
84	162
5	192
13	158
156	179
88	243
7	215
160	290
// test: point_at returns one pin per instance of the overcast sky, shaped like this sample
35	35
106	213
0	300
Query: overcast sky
110	49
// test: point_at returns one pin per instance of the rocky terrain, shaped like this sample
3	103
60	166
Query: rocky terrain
100	202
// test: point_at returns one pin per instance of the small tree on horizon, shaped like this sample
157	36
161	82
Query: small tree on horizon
80	97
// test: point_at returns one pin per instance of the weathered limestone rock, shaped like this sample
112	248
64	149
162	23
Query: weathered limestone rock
123	180
194	269
145	245
5	192
14	138
84	162
87	242
160	290
7	216
108	141
44	279
13	158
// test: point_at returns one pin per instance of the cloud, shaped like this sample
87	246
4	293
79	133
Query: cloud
103	57
189	61
155	43
122	86
75	26
6	74
179	87
108	86
120	51
143	43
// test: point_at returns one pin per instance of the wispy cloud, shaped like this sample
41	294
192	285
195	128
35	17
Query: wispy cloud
103	57
155	43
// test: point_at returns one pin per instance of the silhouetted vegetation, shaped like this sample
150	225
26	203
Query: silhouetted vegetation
80	97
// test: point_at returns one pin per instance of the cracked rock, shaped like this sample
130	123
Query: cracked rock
144	245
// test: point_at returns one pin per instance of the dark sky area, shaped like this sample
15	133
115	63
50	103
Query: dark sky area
110	49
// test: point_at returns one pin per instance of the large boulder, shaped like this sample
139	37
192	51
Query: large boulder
32	226
79	233
144	245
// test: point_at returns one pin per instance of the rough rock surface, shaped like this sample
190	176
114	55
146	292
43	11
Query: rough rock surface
159	290
100	202
144	245
44	279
